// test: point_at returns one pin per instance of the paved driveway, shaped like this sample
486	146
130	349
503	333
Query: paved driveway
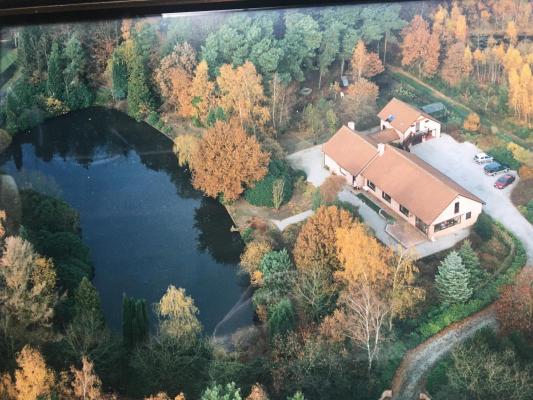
455	160
311	161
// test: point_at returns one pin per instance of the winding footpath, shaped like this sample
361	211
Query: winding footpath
408	380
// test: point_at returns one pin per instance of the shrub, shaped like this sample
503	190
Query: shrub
247	235
281	318
153	118
5	140
483	227
504	156
262	193
471	123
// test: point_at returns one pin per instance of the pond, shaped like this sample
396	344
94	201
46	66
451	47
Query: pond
145	225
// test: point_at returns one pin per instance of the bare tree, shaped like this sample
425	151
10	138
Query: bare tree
362	318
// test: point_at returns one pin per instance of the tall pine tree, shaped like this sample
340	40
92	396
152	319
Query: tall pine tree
55	83
77	94
472	264
139	96
134	321
119	75
453	280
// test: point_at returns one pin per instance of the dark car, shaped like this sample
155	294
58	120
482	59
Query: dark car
504	181
495	168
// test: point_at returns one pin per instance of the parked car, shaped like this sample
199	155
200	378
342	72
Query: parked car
495	168
483	158
503	181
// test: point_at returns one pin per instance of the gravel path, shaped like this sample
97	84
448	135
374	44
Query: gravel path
292	220
407	382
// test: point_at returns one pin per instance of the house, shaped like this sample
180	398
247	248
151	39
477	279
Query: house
405	184
405	124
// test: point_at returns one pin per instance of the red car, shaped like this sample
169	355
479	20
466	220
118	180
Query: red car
504	181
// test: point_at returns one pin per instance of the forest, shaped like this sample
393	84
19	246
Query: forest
335	309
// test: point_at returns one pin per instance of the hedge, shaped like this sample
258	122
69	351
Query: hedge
261	193
504	156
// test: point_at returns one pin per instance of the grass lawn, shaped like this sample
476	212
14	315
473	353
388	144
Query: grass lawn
7	58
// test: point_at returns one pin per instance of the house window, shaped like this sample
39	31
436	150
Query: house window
456	207
385	196
468	215
421	225
404	210
371	185
447	224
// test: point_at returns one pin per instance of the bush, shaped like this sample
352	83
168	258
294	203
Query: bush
504	156
5	140
261	194
281	318
153	118
483	227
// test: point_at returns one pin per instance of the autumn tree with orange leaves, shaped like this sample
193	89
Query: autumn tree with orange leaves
457	65
241	95
316	242
201	93
227	160
174	77
420	47
365	64
359	103
515	305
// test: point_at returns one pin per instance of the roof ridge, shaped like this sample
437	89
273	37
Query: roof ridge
400	152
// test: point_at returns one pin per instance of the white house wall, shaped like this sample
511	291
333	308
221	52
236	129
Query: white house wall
335	168
465	205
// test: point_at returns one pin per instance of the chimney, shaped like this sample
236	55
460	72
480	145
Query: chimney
381	148
351	125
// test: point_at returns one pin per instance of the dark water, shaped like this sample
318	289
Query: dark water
145	225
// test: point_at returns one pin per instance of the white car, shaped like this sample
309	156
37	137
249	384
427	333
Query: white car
482	158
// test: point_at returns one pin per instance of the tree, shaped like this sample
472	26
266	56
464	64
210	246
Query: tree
315	292
86	385
241	95
483	227
139	96
119	75
329	49
362	257
404	295
472	122
362	318
471	262
390	20
219	392
174	76
251	259
365	64
201	93
178	315
277	272
301	41
77	94
281	317
453	280
514	308
257	393
87	301
282	100
481	373
454	69
227	160
511	32
185	146
319	118
27	294
419	47
278	192
359	104
135	323
33	379
316	242
54	84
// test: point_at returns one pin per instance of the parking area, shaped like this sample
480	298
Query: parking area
455	160
311	161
